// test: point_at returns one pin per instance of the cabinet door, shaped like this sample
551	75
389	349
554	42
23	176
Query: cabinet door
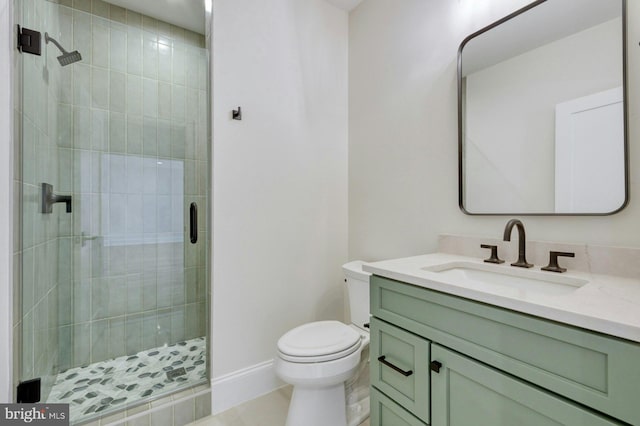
400	367
466	392
385	412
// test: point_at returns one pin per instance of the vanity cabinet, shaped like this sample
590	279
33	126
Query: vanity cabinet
494	366
467	392
385	411
400	367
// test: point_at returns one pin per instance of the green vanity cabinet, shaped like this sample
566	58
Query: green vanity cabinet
466	392
400	367
506	367
385	411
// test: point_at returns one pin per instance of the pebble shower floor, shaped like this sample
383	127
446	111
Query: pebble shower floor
108	385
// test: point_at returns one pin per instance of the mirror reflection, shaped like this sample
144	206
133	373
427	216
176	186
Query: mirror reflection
542	111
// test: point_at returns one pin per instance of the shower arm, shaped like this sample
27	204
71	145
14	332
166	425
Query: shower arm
54	41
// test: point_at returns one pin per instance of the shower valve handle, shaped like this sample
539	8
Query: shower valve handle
49	199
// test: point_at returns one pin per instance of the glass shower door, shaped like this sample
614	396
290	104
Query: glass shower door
114	291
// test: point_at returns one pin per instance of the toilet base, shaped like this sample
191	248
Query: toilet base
317	406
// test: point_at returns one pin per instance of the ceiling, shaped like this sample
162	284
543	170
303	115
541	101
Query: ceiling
187	14
345	4
545	23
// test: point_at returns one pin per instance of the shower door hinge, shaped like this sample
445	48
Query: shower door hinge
28	391
29	41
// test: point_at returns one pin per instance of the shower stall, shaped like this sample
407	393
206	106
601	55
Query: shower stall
113	177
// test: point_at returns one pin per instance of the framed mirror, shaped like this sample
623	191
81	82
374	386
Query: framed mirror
542	111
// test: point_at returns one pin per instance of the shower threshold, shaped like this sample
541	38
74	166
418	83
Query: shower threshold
107	386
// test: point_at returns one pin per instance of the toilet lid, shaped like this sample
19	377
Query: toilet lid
318	339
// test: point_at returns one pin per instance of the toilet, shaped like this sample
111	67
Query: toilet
318	358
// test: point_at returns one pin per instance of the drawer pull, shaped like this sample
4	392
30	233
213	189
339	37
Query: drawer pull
435	366
383	360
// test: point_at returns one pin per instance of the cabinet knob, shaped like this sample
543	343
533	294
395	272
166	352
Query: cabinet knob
435	366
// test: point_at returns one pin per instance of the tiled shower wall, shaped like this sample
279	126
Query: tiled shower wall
132	150
125	132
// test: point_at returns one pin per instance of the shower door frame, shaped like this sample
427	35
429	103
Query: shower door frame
18	79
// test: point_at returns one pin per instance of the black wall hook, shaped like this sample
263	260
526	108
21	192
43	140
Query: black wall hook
237	114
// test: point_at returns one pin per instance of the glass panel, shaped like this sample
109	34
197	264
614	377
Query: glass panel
115	284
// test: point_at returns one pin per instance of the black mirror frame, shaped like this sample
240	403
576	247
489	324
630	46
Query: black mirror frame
461	124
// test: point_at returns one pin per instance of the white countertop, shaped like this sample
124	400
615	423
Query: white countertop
606	304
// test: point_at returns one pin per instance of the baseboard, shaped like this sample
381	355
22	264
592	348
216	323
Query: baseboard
243	385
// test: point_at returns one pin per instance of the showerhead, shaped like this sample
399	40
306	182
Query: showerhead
66	58
69	58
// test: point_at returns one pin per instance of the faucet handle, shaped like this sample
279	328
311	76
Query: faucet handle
553	261
494	254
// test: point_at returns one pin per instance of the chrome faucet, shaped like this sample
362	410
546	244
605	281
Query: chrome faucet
522	240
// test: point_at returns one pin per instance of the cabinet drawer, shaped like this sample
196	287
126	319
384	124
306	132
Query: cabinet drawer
596	370
385	412
466	393
400	367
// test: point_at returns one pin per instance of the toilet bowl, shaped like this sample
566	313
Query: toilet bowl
318	358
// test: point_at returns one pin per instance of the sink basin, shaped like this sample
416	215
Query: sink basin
506	278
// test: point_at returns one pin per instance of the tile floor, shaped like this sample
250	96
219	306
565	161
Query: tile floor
110	385
267	410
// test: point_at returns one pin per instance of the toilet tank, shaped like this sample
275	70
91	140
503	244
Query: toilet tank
357	282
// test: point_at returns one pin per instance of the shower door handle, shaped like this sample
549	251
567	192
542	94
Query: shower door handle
193	223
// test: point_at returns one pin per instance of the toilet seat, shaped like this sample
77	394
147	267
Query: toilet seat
320	358
319	341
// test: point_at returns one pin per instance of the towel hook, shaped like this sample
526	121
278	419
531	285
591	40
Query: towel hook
237	114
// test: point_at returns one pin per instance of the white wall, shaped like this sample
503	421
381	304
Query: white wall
6	199
279	175
403	182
